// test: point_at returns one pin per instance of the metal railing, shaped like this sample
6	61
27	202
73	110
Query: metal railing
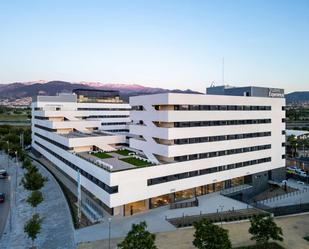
291	209
185	204
236	189
282	197
225	216
94	161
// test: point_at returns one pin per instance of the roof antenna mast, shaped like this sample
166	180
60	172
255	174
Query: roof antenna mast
223	70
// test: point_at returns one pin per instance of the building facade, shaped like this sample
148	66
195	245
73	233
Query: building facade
180	146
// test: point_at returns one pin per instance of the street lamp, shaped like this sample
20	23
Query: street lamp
8	142
221	207
109	232
16	174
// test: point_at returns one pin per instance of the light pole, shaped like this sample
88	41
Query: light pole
16	174
8	142
11	209
109	232
221	207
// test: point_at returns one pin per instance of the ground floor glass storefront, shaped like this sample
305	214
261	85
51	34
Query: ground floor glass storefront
140	206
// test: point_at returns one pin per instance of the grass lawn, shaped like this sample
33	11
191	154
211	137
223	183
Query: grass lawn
102	155
14	117
271	245
123	152
136	162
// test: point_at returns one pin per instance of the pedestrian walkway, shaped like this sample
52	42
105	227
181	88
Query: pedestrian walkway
156	218
300	196
57	229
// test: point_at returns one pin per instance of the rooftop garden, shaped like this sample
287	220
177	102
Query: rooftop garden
102	155
124	152
136	162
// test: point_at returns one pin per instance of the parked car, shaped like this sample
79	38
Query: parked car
303	174
300	172
300	182
291	170
2	197
3	173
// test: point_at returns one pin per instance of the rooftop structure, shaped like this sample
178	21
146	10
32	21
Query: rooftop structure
97	96
246	91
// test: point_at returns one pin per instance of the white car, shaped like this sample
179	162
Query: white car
300	182
300	171
3	173
304	174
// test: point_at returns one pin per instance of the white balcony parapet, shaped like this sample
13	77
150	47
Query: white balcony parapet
103	164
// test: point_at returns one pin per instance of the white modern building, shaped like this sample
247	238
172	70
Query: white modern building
180	146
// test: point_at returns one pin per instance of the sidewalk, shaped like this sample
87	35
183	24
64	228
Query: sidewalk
156	218
57	228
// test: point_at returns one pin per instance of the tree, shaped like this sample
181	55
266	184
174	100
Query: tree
12	138
264	228
35	198
33	180
33	227
138	238
26	163
210	236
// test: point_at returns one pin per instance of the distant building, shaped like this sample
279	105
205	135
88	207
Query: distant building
299	134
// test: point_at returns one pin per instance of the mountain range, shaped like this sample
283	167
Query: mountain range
29	89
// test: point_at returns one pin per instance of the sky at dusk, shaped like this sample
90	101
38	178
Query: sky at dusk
170	44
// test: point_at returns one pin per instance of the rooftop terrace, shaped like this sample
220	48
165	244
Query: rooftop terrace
78	134
116	160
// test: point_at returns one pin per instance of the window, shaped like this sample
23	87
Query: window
214	108
221	153
221	122
200	172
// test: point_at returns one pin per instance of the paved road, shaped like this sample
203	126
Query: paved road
4	188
